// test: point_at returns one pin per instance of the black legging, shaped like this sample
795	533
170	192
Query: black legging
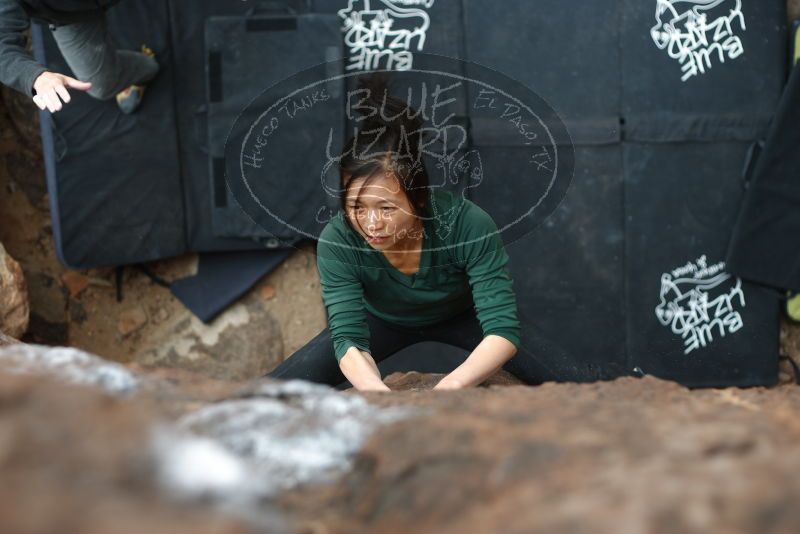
315	361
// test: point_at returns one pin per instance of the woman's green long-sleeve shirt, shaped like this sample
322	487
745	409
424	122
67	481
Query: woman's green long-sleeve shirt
463	264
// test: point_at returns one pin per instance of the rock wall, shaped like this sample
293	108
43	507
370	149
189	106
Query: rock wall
91	446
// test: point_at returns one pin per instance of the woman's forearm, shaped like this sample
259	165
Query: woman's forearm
361	370
487	358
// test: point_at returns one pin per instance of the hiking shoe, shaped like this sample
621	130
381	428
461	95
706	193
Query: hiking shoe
130	98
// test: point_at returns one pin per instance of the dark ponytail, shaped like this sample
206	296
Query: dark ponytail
387	140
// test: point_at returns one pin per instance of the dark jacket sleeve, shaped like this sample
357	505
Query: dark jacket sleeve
18	70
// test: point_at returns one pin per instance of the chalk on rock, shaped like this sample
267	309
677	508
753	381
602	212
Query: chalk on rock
70	365
291	432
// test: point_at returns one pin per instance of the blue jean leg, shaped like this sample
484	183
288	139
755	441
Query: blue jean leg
91	54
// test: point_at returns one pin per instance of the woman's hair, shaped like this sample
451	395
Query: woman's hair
387	141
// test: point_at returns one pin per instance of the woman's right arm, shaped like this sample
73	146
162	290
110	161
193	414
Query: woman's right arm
342	293
360	369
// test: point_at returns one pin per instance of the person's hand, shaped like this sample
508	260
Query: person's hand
376	386
448	383
51	89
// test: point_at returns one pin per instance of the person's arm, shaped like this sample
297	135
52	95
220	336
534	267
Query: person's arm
361	370
342	294
485	260
20	71
487	358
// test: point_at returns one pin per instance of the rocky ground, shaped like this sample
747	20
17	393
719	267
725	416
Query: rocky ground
632	455
149	326
125	449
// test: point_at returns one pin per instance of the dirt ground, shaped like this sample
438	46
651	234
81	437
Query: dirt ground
80	308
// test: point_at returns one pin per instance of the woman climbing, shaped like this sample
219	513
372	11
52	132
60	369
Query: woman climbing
403	262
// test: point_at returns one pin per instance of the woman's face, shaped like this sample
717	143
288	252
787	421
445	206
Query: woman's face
382	214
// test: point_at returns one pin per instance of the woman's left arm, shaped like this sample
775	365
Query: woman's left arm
483	256
487	358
